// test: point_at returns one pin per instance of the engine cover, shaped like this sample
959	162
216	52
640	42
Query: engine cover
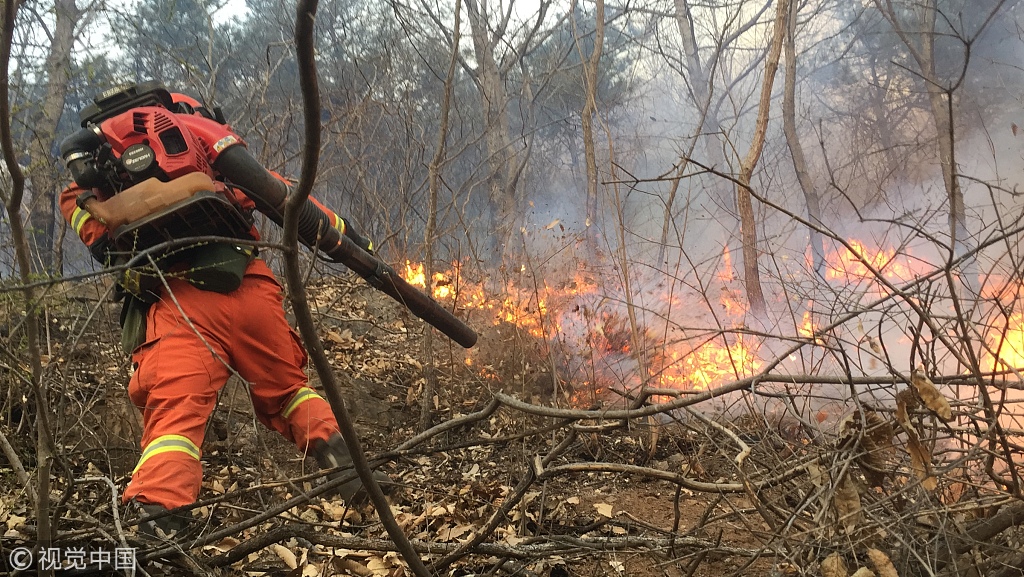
175	150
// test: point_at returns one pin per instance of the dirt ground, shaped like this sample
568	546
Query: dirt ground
548	497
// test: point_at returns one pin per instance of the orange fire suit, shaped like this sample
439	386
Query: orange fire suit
195	340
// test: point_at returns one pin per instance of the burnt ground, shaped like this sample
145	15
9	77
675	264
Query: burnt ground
596	508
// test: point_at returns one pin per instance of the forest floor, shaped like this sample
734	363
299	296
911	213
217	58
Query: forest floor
596	508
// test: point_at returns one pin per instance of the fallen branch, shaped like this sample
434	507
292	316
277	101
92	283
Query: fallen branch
676	478
533	548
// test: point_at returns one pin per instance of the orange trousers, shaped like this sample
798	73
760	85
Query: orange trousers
194	341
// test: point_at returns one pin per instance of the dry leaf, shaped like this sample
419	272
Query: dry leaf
225	545
553	224
378	566
883	566
833	566
603	509
817	475
863	572
846	502
877	446
905	400
931	396
352	566
573	500
287	556
921	462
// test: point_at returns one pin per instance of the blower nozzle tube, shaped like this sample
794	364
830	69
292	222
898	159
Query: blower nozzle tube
315	231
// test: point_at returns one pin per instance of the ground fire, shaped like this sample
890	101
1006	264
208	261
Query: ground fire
578	319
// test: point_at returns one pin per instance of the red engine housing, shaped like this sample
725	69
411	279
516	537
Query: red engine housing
176	150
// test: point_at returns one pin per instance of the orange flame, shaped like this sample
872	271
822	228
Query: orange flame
1006	341
854	263
726	274
710	364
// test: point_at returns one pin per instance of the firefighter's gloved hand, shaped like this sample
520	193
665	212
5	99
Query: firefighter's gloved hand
333	454
361	241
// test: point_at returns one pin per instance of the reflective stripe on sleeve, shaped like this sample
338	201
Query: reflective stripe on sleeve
167	444
304	394
78	220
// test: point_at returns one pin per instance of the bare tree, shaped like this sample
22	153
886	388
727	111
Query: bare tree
748	224
43	123
915	23
811	196
12	203
506	158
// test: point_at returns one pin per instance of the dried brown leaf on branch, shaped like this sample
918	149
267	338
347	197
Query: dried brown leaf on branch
921	462
920	457
834	566
846	502
906	400
870	438
931	396
876	457
883	565
863	572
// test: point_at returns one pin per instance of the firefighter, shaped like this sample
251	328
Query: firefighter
187	335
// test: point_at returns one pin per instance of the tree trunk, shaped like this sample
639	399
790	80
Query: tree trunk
709	128
44	438
590	65
434	173
494	104
748	225
796	149
44	180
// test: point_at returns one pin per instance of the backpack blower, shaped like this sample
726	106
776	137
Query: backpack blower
153	164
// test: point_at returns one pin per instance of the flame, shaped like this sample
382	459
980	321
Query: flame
1006	340
710	364
852	264
549	313
414	274
806	328
576	315
726	273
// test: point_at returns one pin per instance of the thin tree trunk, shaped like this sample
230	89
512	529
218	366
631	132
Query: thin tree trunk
44	438
590	66
43	178
430	374
796	149
748	225
494	103
309	85
708	128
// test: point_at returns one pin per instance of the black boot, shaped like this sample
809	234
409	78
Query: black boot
166	527
333	454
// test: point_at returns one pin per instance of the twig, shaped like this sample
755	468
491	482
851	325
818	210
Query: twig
744	448
19	469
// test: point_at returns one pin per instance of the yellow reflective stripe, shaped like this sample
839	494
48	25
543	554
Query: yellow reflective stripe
168	444
78	218
339	223
304	394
